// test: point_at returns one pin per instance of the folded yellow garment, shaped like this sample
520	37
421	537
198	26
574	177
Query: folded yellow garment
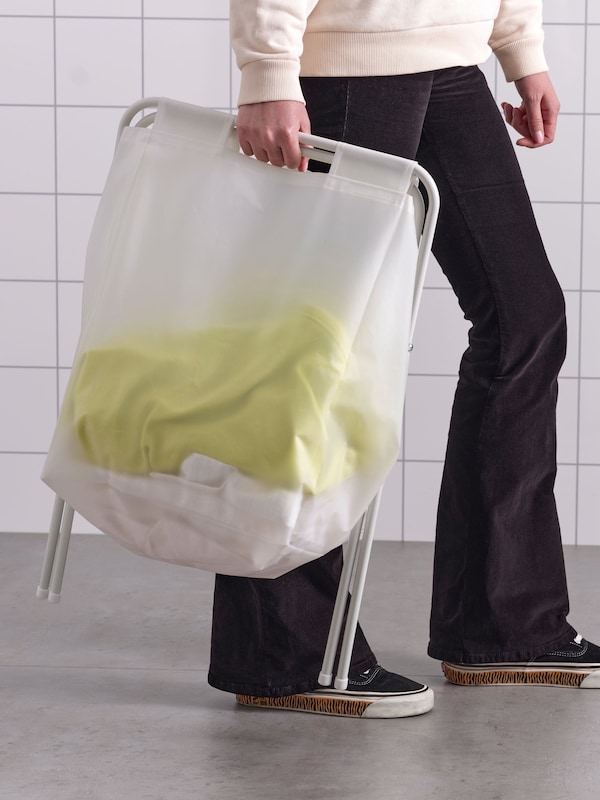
266	399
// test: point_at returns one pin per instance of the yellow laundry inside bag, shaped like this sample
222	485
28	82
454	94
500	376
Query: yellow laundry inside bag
266	399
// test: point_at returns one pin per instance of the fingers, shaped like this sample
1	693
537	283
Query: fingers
537	116
535	132
278	148
265	146
269	131
516	117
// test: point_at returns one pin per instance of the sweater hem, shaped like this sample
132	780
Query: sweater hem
403	52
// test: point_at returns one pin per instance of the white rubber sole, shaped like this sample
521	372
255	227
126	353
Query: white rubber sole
337	705
592	681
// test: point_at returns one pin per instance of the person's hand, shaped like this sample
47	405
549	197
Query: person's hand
270	130
535	119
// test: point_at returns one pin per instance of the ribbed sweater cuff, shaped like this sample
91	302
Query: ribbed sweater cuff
270	79
522	58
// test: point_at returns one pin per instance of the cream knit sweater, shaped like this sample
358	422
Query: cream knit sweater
276	41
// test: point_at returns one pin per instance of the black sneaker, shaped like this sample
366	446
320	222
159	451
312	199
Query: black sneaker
576	664
374	693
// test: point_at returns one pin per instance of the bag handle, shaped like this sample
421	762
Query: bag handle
215	129
349	163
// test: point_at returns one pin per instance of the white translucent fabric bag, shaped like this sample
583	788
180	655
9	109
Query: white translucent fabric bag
236	395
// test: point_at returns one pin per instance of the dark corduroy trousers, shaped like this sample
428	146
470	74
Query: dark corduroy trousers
499	586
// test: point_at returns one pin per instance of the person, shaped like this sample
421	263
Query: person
402	78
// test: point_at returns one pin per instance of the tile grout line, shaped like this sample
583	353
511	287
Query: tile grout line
232	109
108	106
580	321
143	47
56	235
566	24
128	17
103	668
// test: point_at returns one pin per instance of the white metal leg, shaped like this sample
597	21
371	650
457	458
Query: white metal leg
57	512
55	557
360	543
341	601
352	580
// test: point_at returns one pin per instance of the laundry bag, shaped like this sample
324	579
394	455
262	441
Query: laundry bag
236	395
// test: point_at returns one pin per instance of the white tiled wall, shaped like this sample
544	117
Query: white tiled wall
68	68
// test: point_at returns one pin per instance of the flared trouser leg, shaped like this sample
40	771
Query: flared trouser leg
499	581
269	635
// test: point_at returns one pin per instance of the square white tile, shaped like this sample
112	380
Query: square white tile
554	172
560	228
566	421
427	416
590	335
593	11
591	247
421	491
27	324
75	219
589	506
565	492
26	61
188	60
26	501
592	94
27	233
389	518
86	141
589	427
84	74
564	10
592	160
27	7
199	9
69	321
27	409
564	46
570	368
27	152
99	8
440	335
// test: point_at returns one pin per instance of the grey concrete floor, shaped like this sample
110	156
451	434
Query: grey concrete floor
104	696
